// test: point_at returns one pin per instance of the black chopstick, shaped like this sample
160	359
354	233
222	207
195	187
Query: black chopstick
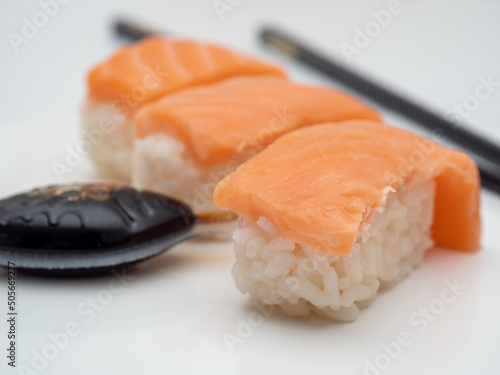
490	176
132	30
489	179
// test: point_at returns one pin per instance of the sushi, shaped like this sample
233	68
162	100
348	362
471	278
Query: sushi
187	142
332	213
142	72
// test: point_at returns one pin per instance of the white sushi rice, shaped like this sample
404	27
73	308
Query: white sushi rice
276	271
162	163
111	134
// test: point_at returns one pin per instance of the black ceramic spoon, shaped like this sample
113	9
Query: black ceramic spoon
91	228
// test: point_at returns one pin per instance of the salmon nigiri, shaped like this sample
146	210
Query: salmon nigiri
186	143
333	212
145	71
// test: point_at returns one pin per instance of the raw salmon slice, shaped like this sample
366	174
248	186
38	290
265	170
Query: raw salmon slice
239	117
321	186
158	66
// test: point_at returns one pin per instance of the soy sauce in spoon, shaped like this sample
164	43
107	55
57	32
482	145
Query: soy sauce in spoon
75	230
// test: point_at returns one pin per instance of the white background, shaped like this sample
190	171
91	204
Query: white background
172	317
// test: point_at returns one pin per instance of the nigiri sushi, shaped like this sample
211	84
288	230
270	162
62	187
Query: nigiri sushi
332	213
142	72
186	143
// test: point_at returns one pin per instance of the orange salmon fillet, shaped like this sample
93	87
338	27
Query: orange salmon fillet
157	66
319	185
240	116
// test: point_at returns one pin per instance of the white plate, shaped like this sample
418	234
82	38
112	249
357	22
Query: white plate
181	313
